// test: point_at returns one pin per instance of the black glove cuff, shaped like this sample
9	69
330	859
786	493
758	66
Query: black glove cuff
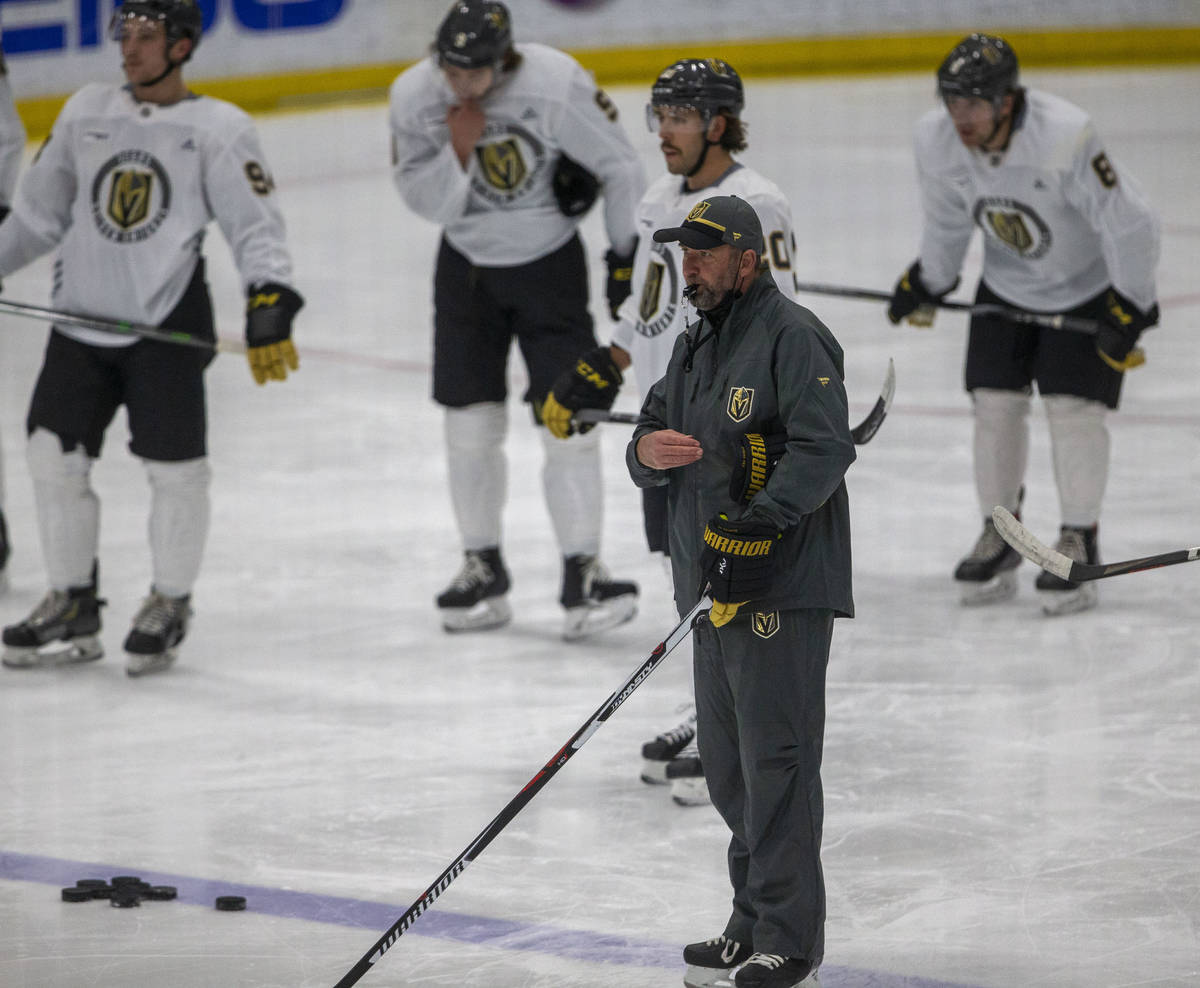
270	308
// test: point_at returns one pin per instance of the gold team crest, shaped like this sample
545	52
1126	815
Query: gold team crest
765	625
740	404
129	197
502	164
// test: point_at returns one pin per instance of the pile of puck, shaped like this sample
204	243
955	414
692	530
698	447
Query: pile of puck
128	891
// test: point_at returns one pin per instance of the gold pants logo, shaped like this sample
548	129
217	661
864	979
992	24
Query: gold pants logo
765	625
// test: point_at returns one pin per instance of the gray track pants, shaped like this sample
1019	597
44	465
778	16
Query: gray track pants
760	701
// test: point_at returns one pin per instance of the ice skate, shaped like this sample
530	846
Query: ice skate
987	575
1059	596
476	599
657	754
686	775
710	963
153	642
593	600
774	971
62	630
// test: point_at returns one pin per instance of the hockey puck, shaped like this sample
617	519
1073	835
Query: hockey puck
231	903
123	899
90	883
160	893
120	880
76	894
101	891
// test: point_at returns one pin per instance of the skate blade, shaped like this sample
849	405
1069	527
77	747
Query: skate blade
690	792
1056	603
137	665
708	977
593	618
1001	587
492	612
86	648
654	773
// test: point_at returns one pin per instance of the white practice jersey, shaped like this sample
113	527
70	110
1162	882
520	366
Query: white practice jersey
1061	222
501	210
125	191
654	314
12	139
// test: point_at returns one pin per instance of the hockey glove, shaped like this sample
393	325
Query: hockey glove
620	279
755	459
1123	324
575	188
911	300
737	563
592	383
270	309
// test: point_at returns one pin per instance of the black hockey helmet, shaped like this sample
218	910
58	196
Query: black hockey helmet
708	84
474	34
980	65
181	18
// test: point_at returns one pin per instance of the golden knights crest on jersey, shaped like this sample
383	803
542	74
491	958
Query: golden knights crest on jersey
131	197
740	403
510	159
765	625
1014	225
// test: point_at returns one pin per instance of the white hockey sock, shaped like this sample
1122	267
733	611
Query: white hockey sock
68	511
179	514
1079	446
573	483
1001	447
477	470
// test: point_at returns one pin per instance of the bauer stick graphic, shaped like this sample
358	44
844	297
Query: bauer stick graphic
861	433
162	334
1066	568
532	788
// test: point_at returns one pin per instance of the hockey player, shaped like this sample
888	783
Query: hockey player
695	109
502	144
777	569
1065	230
12	146
124	189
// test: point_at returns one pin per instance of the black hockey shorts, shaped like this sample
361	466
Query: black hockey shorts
1010	356
161	385
478	311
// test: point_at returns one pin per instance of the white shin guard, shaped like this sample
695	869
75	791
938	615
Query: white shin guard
1001	447
477	471
179	516
572	482
1079	445
68	510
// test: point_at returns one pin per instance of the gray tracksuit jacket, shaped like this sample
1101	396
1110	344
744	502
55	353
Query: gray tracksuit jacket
772	367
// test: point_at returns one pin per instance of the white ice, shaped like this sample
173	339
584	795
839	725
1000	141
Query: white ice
1010	799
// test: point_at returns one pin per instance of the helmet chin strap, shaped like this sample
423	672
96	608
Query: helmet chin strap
704	151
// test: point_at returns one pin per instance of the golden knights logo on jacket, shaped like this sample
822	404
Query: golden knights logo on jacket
740	404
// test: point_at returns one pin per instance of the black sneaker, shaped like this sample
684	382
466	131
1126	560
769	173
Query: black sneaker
774	971
712	960
658	753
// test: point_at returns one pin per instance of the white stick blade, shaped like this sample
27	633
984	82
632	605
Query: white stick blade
1028	545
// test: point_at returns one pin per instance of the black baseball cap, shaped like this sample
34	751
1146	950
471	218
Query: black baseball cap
716	221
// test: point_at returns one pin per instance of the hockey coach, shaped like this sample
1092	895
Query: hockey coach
748	429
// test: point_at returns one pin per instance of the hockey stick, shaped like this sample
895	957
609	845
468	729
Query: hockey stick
118	326
862	432
1050	320
532	788
1066	568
